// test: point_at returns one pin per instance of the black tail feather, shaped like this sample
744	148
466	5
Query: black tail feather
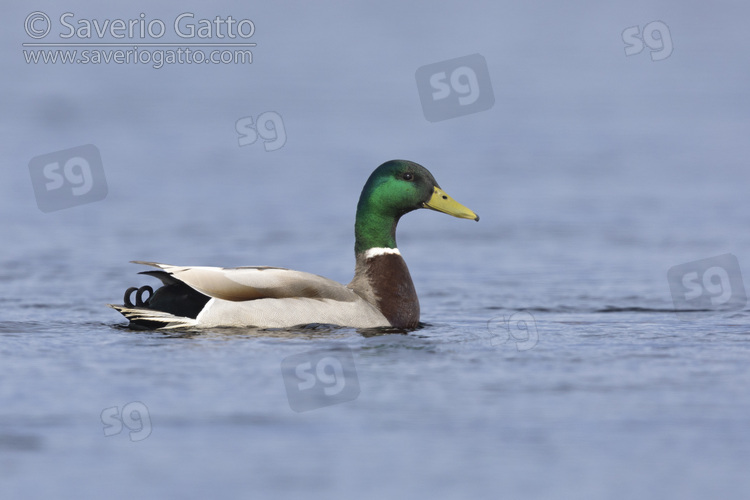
174	298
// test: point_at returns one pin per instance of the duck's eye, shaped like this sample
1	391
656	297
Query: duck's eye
408	176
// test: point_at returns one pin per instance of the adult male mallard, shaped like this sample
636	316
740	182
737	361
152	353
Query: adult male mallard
381	294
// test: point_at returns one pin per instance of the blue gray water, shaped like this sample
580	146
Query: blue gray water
552	363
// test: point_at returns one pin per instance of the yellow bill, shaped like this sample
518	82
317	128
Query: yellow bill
441	202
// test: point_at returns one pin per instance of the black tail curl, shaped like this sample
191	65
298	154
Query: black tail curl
139	302
174	297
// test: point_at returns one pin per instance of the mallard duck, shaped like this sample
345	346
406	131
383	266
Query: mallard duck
381	294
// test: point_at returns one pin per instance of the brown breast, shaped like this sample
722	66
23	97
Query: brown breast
394	290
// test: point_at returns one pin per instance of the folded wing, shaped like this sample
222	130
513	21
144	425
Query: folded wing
249	283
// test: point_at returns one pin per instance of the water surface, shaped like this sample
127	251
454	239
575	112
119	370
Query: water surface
594	173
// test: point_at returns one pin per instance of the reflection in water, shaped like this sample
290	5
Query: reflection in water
310	332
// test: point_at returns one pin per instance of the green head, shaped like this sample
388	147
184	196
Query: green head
393	189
